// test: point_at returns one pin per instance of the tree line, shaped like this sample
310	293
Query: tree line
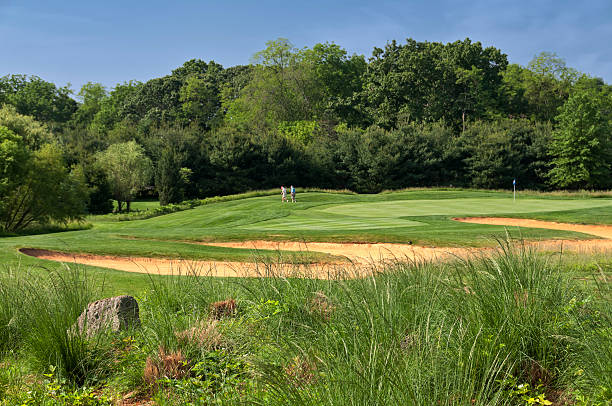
412	114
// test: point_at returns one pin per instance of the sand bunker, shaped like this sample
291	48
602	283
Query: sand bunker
360	259
163	266
357	253
597	230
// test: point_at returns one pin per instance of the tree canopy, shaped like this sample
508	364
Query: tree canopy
413	113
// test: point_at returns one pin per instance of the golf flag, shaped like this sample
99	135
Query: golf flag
514	181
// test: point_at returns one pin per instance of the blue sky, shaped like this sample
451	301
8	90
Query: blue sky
115	41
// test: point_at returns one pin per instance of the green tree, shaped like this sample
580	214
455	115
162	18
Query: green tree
540	89
99	191
296	85
41	190
92	95
582	142
412	155
35	97
128	170
495	153
335	77
423	81
111	107
168	181
275	92
201	98
13	162
33	133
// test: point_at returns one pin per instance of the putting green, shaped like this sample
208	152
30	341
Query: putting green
458	207
317	220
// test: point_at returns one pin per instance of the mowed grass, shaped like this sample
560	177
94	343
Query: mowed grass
422	217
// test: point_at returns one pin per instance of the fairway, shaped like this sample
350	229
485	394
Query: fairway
411	220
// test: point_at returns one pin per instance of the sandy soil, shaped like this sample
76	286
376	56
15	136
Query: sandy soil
361	259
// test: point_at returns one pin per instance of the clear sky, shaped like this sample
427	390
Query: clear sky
115	41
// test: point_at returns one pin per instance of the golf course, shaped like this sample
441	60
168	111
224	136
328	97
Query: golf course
320	228
460	296
391	210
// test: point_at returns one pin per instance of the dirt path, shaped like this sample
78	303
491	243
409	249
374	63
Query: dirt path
361	259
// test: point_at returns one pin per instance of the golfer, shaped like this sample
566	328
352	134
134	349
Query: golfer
283	194
292	194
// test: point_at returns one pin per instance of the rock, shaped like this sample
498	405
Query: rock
115	313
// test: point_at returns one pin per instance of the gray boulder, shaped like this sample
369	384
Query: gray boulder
115	313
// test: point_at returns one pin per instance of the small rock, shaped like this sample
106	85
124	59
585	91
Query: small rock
115	313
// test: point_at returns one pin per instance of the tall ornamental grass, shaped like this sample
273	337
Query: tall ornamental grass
506	328
38	320
11	306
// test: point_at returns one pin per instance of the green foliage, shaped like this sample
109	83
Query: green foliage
378	159
33	133
582	144
220	377
200	93
538	90
111	108
423	81
496	153
180	161
42	191
35	97
99	190
428	114
13	161
92	96
168	180
291	85
128	170
58	391
299	131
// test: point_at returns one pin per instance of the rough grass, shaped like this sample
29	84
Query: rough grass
497	330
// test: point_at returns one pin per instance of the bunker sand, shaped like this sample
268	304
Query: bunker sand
166	266
597	230
374	258
360	259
